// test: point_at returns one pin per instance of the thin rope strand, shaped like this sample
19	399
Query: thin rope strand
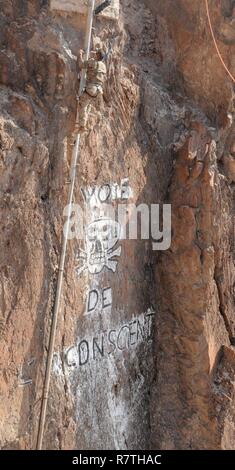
215	43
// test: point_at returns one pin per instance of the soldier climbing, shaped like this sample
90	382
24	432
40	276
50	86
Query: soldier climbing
95	76
96	72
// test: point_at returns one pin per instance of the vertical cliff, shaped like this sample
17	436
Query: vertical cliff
144	354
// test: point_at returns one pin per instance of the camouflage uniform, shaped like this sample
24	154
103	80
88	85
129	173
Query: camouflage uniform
96	72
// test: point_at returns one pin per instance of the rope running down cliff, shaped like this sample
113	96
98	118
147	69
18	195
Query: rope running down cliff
215	43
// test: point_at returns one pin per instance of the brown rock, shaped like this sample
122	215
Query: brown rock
229	167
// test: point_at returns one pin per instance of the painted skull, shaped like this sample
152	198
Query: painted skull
100	238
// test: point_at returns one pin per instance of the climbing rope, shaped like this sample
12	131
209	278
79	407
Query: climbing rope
215	43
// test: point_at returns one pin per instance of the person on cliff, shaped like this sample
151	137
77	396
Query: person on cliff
95	76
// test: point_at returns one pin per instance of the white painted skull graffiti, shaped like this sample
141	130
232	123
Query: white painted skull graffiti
101	237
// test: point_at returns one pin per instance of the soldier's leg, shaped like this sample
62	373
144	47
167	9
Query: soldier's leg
99	106
93	96
84	106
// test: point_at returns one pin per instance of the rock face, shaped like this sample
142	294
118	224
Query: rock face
144	355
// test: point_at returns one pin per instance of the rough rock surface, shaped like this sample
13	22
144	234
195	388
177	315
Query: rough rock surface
153	367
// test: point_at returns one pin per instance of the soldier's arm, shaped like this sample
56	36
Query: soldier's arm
81	62
84	64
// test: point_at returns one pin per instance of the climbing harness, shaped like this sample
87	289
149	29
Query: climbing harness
45	395
215	43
